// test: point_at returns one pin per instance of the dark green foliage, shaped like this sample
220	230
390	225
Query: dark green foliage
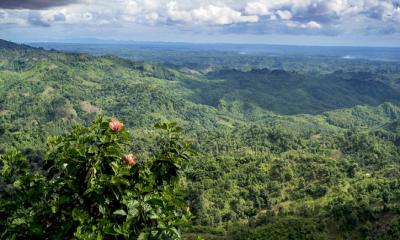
282	228
13	46
86	190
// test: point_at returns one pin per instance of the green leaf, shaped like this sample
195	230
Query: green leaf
144	236
120	212
175	232
92	149
53	209
17	184
19	221
114	165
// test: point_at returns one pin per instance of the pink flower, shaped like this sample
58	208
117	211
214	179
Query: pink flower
115	125
130	159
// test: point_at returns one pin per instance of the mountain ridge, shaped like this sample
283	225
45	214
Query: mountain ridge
14	46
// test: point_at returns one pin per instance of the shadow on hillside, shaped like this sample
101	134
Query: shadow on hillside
292	93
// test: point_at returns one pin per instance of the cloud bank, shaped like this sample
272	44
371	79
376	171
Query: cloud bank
315	17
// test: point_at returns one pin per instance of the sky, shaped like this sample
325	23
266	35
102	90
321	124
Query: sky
293	22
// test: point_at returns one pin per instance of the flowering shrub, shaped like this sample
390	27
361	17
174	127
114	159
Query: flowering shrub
91	187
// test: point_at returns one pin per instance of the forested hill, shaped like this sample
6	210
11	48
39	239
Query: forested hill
258	174
290	92
283	83
13	46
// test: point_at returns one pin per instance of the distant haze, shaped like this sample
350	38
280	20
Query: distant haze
112	47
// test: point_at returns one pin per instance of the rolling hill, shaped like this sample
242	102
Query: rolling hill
315	153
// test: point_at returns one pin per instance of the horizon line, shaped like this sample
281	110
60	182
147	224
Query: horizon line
128	42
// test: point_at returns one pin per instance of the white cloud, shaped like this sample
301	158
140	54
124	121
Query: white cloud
308	25
285	14
220	15
313	25
340	15
16	18
257	8
178	15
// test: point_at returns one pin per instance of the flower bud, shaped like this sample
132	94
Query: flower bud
130	159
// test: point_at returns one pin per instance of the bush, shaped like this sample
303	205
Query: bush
91	187
280	228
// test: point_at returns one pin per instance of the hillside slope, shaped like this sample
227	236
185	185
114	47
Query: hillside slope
257	173
286	92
